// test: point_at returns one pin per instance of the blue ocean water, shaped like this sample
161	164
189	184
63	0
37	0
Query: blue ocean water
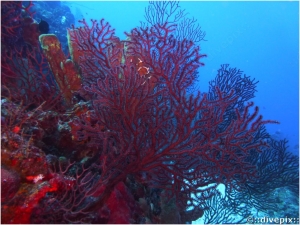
259	38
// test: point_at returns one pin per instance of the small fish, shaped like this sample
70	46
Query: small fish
143	71
43	27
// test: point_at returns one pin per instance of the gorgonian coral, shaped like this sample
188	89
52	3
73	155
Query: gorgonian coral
151	129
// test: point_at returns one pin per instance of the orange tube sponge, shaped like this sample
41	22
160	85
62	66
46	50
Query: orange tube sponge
64	70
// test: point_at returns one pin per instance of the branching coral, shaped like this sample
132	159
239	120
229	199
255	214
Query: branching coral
11	17
160	12
152	131
29	78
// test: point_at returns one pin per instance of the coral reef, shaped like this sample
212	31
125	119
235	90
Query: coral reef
110	133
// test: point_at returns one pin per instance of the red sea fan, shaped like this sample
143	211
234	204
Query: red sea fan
26	77
93	49
11	18
172	62
151	129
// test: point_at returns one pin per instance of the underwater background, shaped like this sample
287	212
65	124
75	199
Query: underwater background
67	156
